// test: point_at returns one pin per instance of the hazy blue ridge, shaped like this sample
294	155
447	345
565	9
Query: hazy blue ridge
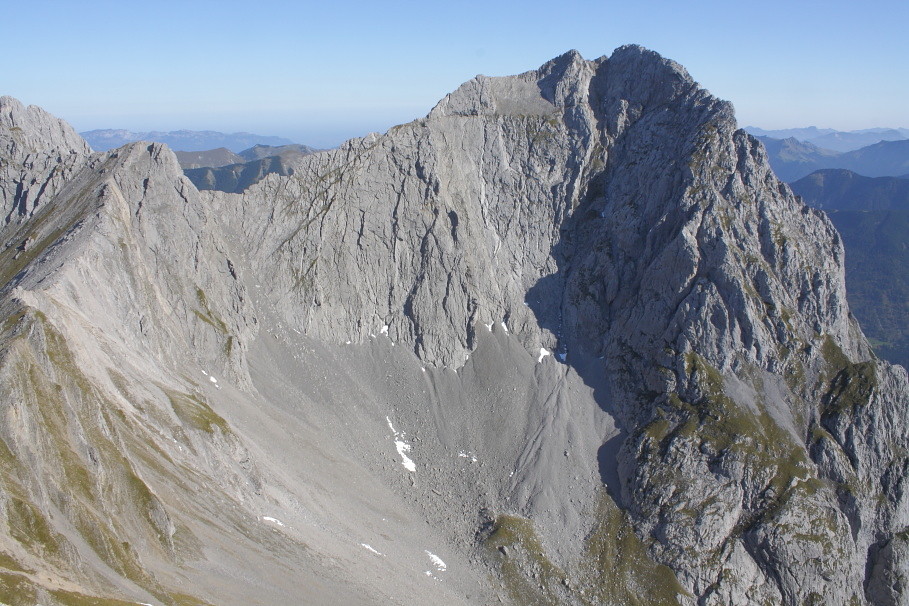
884	159
259	151
181	140
237	178
792	159
841	189
872	216
836	140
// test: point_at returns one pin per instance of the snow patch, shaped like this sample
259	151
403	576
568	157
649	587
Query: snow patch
437	561
505	328
543	353
369	548
212	379
272	520
384	330
402	447
488	326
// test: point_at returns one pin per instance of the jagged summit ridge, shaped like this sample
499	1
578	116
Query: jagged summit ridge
530	142
38	152
31	130
210	379
608	209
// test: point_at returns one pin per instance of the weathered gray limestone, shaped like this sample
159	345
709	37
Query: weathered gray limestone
614	348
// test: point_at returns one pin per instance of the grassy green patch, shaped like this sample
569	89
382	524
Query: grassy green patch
615	568
753	436
119	555
529	576
15	320
28	526
851	388
40	235
852	384
183	599
620	571
197	414
71	414
833	355
207	315
8	562
17	590
72	598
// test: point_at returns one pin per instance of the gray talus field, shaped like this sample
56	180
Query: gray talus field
565	340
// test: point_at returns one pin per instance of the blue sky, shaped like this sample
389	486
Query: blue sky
319	74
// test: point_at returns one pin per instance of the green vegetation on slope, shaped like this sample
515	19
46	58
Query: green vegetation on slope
80	433
615	569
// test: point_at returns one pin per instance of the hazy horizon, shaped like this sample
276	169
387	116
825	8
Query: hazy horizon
327	141
319	74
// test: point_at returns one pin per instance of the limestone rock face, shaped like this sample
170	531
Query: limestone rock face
567	329
31	130
38	153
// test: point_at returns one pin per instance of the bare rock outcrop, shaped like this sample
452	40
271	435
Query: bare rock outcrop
585	272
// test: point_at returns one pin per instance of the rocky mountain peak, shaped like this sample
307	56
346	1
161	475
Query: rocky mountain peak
571	134
567	332
38	153
31	130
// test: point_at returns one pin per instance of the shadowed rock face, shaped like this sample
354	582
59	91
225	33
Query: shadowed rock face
568	333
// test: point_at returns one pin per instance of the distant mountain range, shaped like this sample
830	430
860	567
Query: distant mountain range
252	165
792	159
210	157
181	140
294	150
836	140
223	170
216	158
237	178
839	189
872	216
